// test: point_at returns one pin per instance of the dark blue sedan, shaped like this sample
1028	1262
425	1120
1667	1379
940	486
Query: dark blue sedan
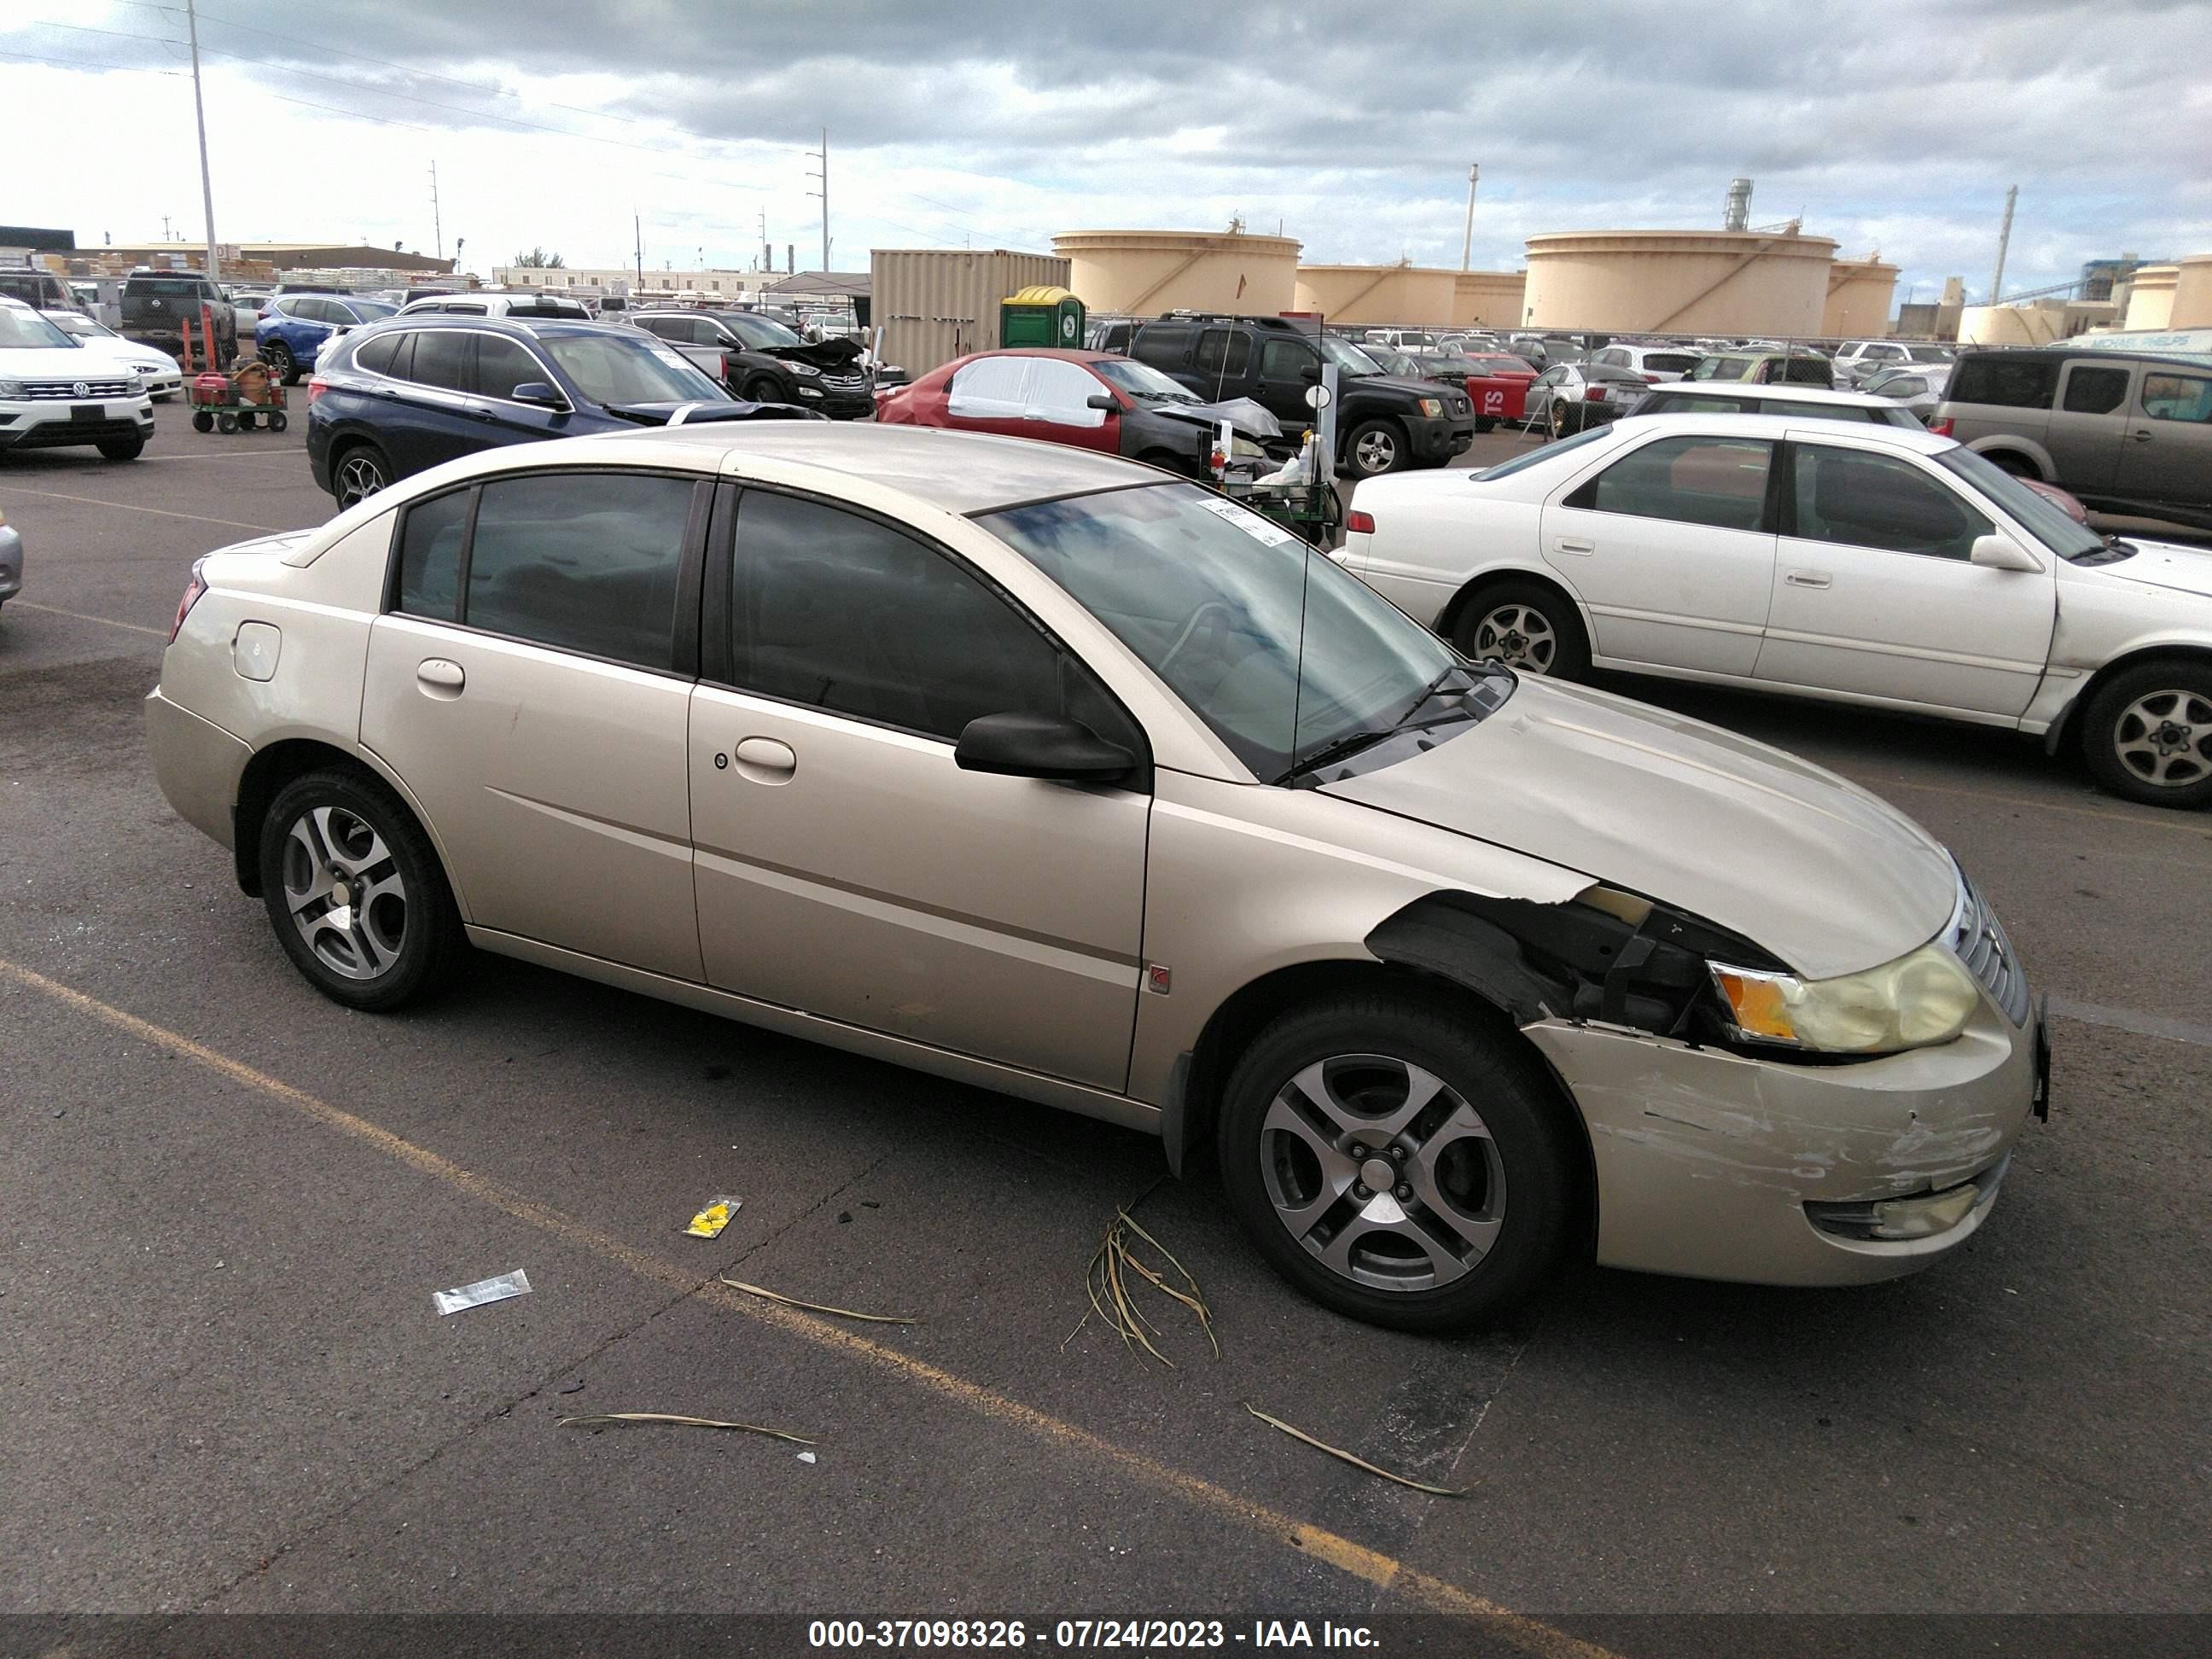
295	328
400	396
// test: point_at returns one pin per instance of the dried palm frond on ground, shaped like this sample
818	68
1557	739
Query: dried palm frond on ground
1356	1463
1116	1271
602	1418
817	1307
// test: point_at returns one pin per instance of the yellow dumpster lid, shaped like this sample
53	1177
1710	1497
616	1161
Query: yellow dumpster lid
1042	293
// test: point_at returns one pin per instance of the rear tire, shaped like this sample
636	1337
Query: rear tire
1461	1193
1485	423
1534	628
357	472
2146	734
1555	419
281	363
355	893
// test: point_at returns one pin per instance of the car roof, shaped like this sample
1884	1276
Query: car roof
538	328
1784	391
963	473
1914	438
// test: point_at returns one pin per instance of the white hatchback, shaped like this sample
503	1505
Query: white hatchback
1864	564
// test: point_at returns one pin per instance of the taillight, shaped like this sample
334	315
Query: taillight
728	371
1594	394
193	589
1941	428
316	387
1359	523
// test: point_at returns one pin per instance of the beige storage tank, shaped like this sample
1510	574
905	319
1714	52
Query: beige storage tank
1356	295
1859	295
2192	293
1680	282
1487	299
2150	296
2036	325
936	304
1144	273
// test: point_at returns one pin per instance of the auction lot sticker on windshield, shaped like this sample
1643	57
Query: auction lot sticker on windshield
1248	521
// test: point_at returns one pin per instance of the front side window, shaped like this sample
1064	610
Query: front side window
584	561
503	364
1287	360
1860	500
1060	391
2094	389
2178	397
1277	648
1720	482
846	614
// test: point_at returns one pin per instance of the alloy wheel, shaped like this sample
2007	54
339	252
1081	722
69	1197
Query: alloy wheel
360	477
1375	452
343	892
1382	1172
1519	634
2165	739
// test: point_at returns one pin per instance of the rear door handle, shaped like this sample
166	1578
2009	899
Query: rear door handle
1808	578
1575	544
766	761
439	678
2140	437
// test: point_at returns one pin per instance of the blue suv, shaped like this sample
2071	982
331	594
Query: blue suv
392	400
296	327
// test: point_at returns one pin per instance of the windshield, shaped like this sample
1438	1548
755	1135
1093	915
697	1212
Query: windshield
71	323
22	329
1348	358
1141	381
2044	519
1928	354
621	371
1253	629
1505	366
759	331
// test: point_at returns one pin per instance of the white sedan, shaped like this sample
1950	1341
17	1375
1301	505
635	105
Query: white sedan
1865	564
163	375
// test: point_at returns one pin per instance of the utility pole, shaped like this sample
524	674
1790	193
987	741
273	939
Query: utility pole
199	115
1466	245
823	156
637	229
2004	240
437	224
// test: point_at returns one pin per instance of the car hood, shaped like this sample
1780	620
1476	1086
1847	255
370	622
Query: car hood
1242	413
1412	386
1825	875
825	353
48	363
2164	564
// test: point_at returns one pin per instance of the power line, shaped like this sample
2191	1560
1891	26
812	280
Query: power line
88	63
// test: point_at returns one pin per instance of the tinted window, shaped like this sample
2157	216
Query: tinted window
377	353
2008	382
1160	342
430	557
1877	500
842	613
584	560
1223	351
1286	360
1670	362
503	364
1720	482
1859	412
2178	397
1722	368
2094	391
441	359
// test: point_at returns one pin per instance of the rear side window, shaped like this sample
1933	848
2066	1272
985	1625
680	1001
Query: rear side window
2006	383
1223	351
842	613
585	562
2094	390
430	557
2178	397
380	354
1160	343
1859	500
1720	482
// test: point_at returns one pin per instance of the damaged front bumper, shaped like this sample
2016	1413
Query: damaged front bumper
1714	1164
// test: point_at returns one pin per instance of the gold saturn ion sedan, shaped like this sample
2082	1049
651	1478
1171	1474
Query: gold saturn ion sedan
1059	776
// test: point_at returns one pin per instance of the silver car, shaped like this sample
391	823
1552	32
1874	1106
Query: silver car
1050	773
11	560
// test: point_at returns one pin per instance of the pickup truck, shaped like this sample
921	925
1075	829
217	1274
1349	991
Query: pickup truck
1383	422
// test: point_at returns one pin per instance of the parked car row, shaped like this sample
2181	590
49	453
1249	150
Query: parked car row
58	393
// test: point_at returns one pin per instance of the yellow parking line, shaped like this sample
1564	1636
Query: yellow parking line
81	616
1386	1573
126	507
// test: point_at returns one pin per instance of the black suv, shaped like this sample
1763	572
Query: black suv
156	303
762	361
1384	423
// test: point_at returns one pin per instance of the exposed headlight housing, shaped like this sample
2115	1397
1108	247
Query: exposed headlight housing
1923	997
800	368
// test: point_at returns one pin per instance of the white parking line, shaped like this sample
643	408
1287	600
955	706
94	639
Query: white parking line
158	512
82	616
2127	1019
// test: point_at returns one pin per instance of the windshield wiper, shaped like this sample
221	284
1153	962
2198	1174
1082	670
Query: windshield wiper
1342	748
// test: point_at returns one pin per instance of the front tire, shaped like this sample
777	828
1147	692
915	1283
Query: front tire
355	893
1556	419
1398	1160
1485	423
123	449
1375	447
762	390
1526	625
2148	734
360	471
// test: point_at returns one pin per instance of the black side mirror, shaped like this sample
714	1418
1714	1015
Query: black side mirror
539	394
1040	746
1105	400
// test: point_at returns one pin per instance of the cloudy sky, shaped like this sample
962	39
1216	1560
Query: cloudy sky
1895	124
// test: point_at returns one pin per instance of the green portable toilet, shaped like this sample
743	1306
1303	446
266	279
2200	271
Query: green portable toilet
1041	316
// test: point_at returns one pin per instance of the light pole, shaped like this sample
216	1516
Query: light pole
199	115
1466	245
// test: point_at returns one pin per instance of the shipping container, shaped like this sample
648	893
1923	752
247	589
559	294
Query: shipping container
936	304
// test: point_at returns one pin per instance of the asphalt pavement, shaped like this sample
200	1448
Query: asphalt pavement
225	1204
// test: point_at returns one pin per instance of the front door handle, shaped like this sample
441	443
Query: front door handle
766	761
2141	437
1808	578
1575	544
439	678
